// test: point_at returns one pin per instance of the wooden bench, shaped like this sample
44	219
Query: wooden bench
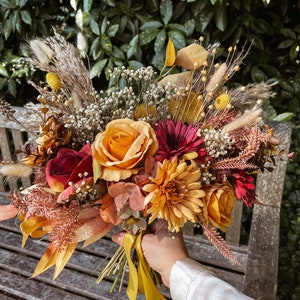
256	275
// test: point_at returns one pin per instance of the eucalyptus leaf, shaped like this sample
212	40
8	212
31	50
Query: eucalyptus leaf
8	4
2	83
294	51
106	44
133	45
112	30
94	26
286	44
134	64
220	10
12	87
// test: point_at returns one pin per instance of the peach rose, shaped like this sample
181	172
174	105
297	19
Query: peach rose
220	201
122	147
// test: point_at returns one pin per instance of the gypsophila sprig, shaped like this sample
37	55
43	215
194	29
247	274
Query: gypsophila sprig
180	146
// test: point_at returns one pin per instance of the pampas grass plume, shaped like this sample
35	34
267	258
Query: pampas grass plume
15	170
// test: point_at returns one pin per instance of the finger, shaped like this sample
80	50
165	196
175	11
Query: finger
118	238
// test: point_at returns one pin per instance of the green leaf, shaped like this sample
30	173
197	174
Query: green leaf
284	117
94	26
118	53
189	26
151	25
178	39
3	71
177	27
133	45
26	18
160	40
2	83
257	75
112	30
7	4
96	50
23	3
106	44
166	10
7	28
87	5
147	36
221	15
98	68
104	25
12	87
286	44
289	33
294	51
134	64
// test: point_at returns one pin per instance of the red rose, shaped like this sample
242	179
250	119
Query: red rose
69	166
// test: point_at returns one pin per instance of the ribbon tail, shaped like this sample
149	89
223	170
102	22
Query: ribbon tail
146	284
132	288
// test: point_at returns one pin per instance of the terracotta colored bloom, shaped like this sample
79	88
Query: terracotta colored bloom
68	166
108	210
177	139
122	147
244	187
175	193
220	201
52	135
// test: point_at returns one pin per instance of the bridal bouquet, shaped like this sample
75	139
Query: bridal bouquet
181	146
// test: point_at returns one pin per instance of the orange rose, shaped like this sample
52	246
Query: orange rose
122	147
220	200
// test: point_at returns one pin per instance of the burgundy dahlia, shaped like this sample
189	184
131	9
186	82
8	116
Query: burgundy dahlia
244	187
177	139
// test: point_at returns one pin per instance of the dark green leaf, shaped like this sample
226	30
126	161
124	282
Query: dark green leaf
289	33
23	3
177	27
134	64
118	53
7	28
96	50
2	83
106	44
98	68
26	18
286	44
12	87
220	10
133	45
123	23
8	4
151	25
147	36
257	75
158	60
87	5
104	24
160	41
112	30
294	51
94	26
178	39
190	26
166	11
3	71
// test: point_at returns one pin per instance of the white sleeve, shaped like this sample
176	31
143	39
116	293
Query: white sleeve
191	281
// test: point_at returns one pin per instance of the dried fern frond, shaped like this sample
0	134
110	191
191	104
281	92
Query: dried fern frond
219	243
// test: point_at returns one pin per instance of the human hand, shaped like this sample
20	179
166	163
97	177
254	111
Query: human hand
161	248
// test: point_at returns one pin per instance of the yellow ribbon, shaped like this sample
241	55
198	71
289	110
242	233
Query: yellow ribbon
139	278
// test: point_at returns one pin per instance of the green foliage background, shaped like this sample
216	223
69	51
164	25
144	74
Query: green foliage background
135	33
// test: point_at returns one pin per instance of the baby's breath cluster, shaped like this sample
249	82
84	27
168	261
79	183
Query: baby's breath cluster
216	143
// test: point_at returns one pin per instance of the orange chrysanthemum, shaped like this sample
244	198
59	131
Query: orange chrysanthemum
175	194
